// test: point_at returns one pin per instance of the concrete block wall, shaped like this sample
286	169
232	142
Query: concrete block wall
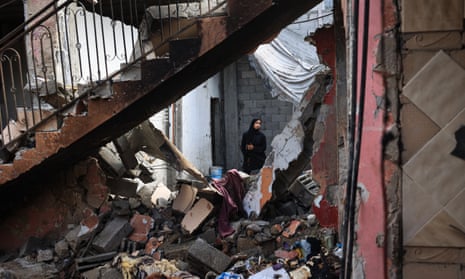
254	100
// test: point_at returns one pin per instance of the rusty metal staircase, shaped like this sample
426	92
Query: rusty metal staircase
85	118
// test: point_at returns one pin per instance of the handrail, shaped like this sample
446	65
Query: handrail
66	52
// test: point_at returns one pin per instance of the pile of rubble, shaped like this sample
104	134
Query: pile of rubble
190	230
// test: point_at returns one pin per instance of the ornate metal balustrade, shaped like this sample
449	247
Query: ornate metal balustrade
71	49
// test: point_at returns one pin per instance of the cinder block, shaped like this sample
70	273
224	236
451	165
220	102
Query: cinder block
248	74
206	257
304	189
110	237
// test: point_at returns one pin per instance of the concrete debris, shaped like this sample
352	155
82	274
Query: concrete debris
185	198
162	196
141	228
45	255
141	225
109	155
203	255
198	213
111	236
181	240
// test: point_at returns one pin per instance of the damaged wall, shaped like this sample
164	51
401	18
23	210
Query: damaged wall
325	156
254	100
377	251
48	207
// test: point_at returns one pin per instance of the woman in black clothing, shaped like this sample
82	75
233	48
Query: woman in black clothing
253	147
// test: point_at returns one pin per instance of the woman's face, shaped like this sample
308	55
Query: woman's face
257	125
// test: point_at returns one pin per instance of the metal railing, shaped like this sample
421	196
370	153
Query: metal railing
70	49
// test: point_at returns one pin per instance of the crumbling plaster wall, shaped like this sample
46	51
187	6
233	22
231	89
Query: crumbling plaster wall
377	251
325	157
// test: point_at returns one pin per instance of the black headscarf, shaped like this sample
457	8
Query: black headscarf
251	132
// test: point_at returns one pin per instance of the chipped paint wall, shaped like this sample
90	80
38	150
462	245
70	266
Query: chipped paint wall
375	244
325	157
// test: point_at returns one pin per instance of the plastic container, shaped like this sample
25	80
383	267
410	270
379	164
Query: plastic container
216	172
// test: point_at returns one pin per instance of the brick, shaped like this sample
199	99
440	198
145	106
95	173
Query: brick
97	191
248	74
195	217
110	237
255	81
62	249
185	198
245	243
246	88
90	223
243	96
290	230
288	255
152	246
141	224
45	255
206	257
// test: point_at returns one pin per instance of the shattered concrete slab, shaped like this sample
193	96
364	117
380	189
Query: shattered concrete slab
110	156
149	139
185	198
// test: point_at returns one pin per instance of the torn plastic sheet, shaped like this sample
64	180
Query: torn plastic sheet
288	65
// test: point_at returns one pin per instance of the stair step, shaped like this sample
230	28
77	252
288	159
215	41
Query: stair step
155	70
242	11
47	142
24	161
166	28
184	50
212	30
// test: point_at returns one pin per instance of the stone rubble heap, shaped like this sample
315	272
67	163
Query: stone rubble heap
173	232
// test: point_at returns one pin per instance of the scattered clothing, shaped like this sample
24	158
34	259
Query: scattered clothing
232	189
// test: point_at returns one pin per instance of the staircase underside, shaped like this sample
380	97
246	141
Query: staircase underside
135	101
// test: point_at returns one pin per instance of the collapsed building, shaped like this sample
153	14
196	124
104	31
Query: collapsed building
109	215
386	150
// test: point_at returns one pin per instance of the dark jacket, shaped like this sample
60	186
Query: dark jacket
253	159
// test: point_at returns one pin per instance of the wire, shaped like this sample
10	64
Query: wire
356	162
353	23
313	19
